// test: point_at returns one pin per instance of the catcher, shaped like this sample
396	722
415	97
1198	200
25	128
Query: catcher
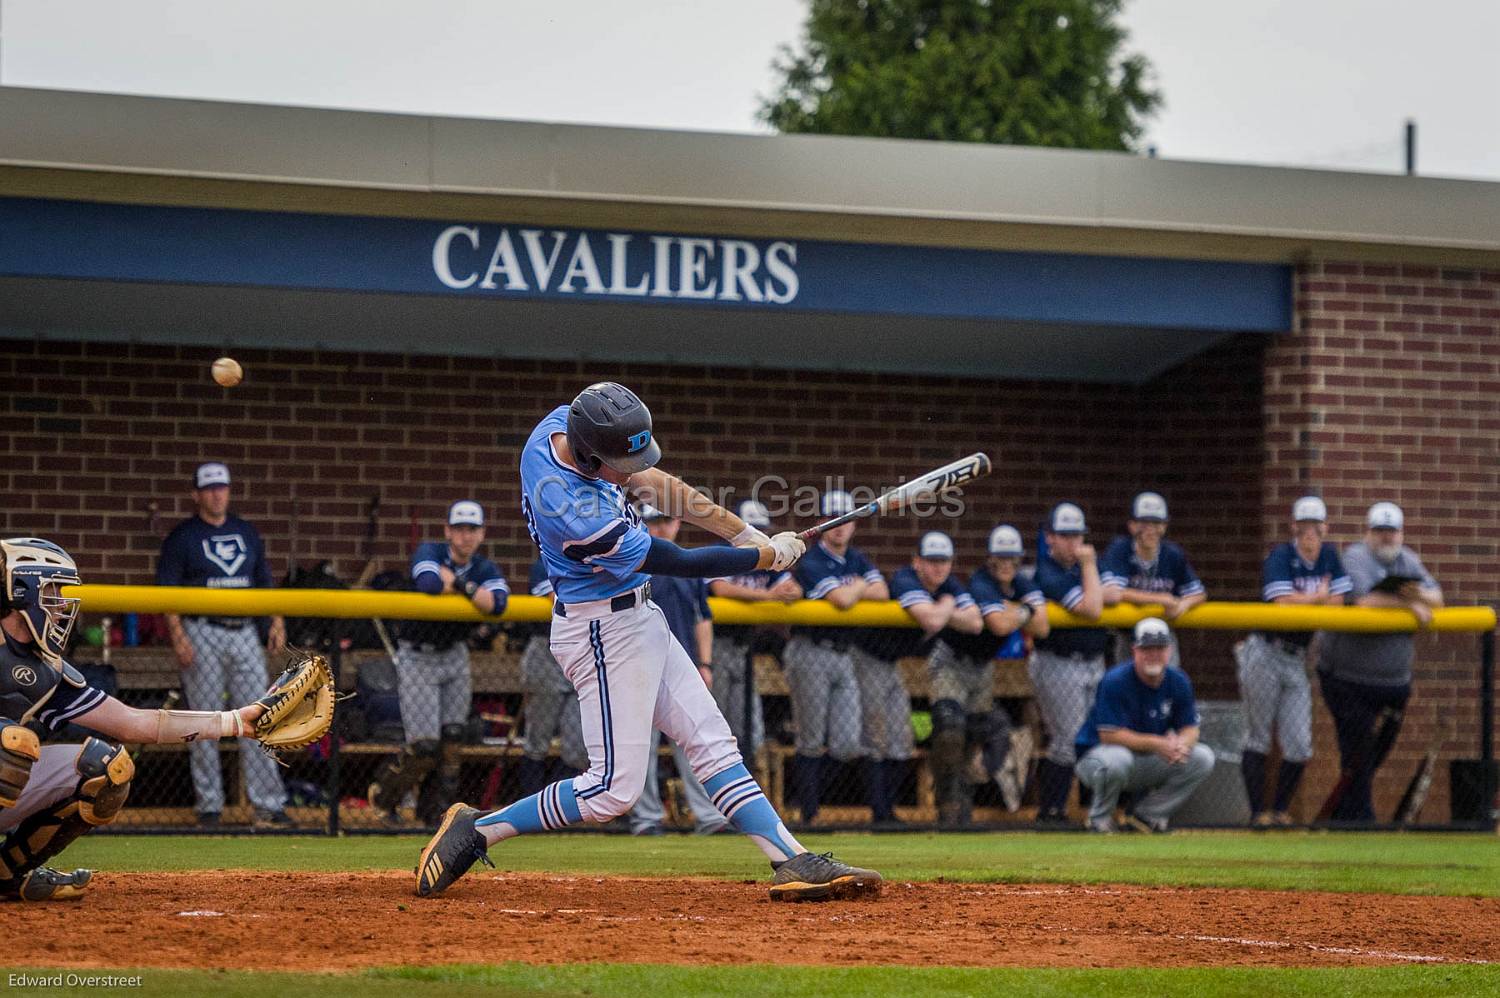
50	795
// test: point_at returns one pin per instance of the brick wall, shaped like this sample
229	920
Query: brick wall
1389	389
95	433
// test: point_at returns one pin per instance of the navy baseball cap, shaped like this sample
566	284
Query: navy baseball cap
210	474
1066	518
466	513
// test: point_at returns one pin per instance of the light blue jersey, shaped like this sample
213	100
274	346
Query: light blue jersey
591	540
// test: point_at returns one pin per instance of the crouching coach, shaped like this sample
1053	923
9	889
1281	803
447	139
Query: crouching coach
1141	736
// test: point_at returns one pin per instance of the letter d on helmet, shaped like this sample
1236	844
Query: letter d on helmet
34	572
608	424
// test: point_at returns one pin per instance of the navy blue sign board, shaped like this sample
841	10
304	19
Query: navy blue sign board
67	239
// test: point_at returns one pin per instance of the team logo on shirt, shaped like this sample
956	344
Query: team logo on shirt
23	675
228	551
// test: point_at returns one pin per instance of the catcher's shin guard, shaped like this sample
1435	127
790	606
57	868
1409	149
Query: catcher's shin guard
104	772
401	772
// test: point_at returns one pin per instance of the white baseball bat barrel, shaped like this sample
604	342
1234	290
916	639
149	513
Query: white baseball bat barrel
933	483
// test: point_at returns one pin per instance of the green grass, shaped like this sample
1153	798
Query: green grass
1396	863
653	981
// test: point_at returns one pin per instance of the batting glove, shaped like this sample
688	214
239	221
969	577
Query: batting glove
788	547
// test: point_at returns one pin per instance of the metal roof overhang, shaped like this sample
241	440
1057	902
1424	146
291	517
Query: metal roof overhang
151	151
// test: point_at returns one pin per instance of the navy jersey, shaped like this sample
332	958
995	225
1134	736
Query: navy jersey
1065	586
1169	573
991	594
684	602
34	694
425	562
1123	701
820	572
908	590
230	556
589	536
1285	573
760	578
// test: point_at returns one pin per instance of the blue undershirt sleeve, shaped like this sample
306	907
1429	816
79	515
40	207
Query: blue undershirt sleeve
716	561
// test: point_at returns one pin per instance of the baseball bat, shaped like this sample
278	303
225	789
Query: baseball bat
372	527
935	482
1417	790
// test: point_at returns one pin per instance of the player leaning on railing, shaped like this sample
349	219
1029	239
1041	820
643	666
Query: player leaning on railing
51	794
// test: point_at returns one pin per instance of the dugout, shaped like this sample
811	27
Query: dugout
1231	336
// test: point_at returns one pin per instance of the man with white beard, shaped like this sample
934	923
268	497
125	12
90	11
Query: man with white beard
1366	678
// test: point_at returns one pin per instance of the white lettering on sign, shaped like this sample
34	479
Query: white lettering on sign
561	262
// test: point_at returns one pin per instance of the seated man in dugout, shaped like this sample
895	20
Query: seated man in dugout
1141	736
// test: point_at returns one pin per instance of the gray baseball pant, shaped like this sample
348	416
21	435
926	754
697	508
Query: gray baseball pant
551	707
1109	770
1065	686
228	671
435	689
1277	696
825	699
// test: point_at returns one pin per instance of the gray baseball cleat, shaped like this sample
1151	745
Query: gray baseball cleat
455	847
812	876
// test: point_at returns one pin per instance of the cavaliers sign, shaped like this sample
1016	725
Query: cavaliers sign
560	261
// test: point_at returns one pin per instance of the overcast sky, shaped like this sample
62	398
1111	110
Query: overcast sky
1303	82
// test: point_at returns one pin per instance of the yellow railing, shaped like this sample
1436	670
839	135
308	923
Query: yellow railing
416	606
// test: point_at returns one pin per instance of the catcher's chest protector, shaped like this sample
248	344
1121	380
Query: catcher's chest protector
27	683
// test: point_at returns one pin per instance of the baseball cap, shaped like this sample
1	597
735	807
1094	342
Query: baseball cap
210	474
935	545
755	514
1152	632
1005	541
1385	515
466	512
1309	508
1150	507
1066	518
650	513
837	502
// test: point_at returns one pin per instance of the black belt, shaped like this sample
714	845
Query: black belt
227	623
624	601
1283	645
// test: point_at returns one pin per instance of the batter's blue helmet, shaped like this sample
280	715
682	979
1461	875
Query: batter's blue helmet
608	424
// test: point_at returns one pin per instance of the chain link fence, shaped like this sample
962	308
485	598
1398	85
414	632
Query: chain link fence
849	727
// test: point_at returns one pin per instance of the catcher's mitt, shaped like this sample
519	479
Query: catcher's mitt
299	705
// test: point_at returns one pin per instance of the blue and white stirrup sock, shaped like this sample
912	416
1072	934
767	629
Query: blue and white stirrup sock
552	808
738	797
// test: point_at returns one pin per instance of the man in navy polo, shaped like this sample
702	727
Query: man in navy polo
1142	736
1145	568
222	656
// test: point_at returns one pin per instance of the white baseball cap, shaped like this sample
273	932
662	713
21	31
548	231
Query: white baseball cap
1066	518
1150	507
935	545
1152	632
755	514
466	512
1386	515
837	503
1309	508
210	474
1005	541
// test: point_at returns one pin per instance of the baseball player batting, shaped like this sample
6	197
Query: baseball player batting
613	643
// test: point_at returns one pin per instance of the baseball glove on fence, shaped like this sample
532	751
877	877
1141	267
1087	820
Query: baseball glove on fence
299	705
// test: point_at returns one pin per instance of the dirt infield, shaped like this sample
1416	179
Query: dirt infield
245	920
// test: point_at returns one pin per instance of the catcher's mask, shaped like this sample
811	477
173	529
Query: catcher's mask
34	572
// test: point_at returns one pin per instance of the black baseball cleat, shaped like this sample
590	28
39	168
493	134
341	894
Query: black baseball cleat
449	854
46	884
813	876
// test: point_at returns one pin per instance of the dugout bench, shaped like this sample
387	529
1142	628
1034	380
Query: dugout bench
146	674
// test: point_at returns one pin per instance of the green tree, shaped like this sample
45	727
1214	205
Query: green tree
1023	72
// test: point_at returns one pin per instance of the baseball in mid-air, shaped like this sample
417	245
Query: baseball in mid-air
227	371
